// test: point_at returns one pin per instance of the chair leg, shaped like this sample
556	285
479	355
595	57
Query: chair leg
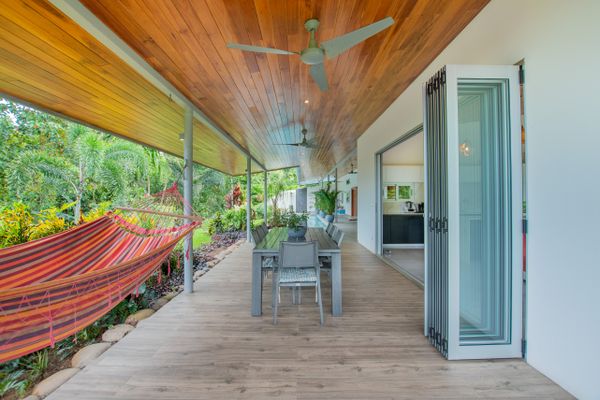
273	296
275	308
318	290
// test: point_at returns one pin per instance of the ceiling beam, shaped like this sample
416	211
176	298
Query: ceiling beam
88	21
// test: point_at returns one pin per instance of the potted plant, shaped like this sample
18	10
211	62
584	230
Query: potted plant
320	202
296	224
326	201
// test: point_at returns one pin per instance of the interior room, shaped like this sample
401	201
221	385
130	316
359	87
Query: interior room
403	203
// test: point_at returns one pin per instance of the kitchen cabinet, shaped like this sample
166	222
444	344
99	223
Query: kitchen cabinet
403	229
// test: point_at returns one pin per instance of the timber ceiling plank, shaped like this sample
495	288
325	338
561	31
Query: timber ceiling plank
259	98
49	61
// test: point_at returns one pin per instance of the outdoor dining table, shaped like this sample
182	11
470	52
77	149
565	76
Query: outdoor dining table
269	247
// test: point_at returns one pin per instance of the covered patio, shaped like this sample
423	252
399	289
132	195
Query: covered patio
173	77
206	345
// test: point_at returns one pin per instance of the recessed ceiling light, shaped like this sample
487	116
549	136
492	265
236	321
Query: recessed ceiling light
306	101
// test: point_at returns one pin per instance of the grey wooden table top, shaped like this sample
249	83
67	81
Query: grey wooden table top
270	244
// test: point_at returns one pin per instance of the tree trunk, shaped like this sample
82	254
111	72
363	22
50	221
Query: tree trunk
77	210
79	194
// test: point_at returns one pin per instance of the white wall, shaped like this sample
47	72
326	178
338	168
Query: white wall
560	43
402	173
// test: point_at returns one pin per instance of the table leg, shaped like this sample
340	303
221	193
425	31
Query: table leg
336	284
256	284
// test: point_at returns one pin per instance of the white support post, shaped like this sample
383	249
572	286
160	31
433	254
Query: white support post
188	157
336	202
266	196
249	200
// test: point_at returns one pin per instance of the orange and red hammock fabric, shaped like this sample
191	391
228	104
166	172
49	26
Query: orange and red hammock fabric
55	286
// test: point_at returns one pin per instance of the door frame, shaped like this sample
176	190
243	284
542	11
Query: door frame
379	184
513	349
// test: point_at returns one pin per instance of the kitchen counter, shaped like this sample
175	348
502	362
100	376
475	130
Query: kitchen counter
404	213
403	228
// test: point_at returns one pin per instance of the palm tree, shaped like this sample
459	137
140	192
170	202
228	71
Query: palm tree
109	164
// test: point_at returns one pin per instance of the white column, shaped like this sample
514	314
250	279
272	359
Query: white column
248	199
188	157
266	196
336	189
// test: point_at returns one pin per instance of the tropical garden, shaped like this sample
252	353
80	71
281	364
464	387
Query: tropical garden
55	174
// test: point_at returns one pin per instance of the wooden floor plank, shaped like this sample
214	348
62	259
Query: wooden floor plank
207	346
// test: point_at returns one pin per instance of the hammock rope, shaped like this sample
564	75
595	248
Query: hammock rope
53	287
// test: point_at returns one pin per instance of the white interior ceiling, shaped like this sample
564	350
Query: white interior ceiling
409	152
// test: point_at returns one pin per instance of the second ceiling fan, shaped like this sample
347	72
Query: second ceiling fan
314	55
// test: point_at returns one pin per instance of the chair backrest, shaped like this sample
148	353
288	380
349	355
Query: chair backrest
256	236
298	254
263	230
333	231
329	228
338	237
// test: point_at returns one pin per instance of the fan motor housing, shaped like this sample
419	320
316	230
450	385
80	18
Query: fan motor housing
312	56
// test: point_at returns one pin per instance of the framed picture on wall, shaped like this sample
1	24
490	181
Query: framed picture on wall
405	192
390	192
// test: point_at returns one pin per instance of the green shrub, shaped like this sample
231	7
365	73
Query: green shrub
234	219
215	224
15	223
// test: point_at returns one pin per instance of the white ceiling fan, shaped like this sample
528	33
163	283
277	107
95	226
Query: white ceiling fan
309	144
314	55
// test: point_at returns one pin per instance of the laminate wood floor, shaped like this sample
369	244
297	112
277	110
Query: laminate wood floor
207	346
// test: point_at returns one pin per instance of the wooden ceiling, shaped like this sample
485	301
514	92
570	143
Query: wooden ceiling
259	99
49	61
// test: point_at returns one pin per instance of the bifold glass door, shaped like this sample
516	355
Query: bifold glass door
473	281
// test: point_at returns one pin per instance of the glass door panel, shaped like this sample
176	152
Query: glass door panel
484	211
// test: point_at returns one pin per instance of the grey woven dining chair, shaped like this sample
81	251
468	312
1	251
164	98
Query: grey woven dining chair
267	262
329	228
297	266
326	261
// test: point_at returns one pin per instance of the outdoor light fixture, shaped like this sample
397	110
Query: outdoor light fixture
465	149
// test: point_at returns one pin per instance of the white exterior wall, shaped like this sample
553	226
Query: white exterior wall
560	43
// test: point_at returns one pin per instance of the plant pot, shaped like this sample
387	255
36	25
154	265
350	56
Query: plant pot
329	218
297	233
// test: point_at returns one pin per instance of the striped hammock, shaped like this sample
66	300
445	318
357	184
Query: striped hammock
53	287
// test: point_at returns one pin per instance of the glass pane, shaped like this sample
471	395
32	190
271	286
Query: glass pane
484	187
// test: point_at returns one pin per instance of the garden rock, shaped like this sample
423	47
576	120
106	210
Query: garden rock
53	382
31	397
87	354
134	318
158	303
116	333
170	296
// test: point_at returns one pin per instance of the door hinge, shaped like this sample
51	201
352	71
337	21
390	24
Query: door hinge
523	347
525	225
521	75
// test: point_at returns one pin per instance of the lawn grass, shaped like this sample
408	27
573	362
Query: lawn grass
201	237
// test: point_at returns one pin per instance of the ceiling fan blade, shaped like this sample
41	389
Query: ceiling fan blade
311	144
257	49
287	144
337	46
317	71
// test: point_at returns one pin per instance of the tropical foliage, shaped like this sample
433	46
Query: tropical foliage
326	198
